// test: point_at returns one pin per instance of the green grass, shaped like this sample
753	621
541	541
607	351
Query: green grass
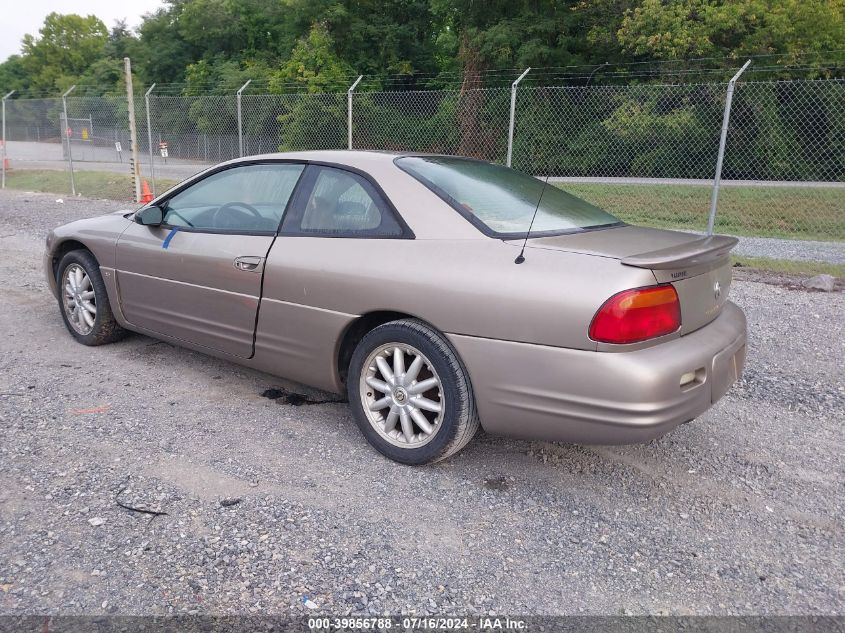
790	266
809	213
90	184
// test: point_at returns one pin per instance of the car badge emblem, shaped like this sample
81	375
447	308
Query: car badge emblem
717	290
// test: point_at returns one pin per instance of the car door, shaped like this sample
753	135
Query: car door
198	276
339	225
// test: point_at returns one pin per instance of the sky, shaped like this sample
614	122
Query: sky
27	16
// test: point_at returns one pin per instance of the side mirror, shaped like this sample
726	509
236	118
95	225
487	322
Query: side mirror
150	216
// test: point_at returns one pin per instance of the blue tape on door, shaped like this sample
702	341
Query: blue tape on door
169	237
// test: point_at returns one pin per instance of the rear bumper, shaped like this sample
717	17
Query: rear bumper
539	392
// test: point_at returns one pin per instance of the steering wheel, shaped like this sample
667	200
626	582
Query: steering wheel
217	217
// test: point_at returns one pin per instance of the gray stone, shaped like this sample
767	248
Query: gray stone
820	282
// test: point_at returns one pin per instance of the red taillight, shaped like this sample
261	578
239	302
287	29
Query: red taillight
637	315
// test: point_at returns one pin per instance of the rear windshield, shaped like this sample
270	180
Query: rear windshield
501	201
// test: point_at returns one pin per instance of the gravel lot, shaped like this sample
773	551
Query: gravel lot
740	512
795	250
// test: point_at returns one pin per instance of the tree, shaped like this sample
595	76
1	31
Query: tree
313	65
13	75
515	33
596	23
316	43
67	45
163	55
226	73
680	29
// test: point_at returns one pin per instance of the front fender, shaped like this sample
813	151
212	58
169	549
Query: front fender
98	235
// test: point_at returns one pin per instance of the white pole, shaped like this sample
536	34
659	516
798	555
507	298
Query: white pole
349	109
711	221
67	127
150	136
4	136
240	122
133	132
513	114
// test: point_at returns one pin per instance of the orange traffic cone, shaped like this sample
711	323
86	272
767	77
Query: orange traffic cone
147	195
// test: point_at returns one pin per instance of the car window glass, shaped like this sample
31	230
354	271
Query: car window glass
248	198
343	204
503	200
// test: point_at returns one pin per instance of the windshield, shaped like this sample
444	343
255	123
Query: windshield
500	200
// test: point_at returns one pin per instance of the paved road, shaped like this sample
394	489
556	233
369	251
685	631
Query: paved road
26	155
740	512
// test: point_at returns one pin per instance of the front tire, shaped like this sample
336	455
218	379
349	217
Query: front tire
84	302
410	394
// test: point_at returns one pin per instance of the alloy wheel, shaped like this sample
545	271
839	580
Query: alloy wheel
402	395
80	301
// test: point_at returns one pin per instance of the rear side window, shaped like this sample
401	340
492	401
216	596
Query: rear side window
340	203
501	201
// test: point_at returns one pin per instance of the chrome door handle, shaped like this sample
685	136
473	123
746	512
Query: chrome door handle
249	263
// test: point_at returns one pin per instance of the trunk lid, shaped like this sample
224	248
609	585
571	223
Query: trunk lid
698	267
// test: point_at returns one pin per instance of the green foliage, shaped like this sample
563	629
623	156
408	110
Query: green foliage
316	43
13	75
208	75
313	66
66	47
681	29
516	33
319	46
163	55
779	131
430	126
316	122
641	131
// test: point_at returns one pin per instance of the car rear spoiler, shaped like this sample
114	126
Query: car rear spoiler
701	251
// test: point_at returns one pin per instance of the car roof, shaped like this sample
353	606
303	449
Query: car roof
349	157
353	157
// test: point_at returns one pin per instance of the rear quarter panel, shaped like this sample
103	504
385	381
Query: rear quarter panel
314	287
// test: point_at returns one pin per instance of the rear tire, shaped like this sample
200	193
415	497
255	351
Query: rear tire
410	394
84	302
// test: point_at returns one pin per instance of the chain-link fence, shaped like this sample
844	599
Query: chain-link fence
645	152
470	122
286	123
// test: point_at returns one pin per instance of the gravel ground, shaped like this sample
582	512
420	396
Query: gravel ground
740	512
796	250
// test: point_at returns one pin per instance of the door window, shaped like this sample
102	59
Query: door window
251	198
343	204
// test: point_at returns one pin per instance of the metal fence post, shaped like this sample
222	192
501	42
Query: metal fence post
67	136
349	109
711	221
150	136
4	136
240	123
513	114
